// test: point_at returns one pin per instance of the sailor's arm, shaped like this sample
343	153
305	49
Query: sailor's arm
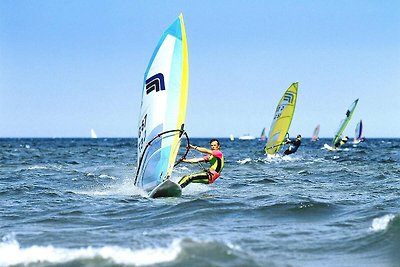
201	149
195	160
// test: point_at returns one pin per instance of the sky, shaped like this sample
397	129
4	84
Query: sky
69	66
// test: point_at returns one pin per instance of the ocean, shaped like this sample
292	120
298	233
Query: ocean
72	202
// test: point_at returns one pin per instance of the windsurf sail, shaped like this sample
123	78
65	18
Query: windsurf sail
315	134
344	122
163	110
282	119
262	136
358	132
93	133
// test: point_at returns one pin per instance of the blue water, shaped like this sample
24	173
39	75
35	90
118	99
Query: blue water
71	202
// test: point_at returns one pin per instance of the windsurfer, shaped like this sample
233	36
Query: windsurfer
341	142
214	157
294	145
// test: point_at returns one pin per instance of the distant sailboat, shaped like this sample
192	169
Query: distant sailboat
162	113
93	133
358	133
262	136
282	119
231	137
246	137
315	134
342	126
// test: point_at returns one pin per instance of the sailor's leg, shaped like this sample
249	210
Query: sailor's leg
201	177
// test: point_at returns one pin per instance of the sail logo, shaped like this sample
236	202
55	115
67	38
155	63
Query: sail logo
155	82
289	96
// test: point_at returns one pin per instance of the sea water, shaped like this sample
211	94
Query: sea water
71	202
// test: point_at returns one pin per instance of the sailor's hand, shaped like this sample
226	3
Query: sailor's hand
193	147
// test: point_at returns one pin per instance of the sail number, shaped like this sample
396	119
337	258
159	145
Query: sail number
279	111
142	133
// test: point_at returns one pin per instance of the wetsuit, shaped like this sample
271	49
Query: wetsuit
340	143
293	147
208	176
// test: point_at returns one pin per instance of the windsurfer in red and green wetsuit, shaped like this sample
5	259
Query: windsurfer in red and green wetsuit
214	157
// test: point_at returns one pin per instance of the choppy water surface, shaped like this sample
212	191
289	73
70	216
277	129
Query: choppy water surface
71	202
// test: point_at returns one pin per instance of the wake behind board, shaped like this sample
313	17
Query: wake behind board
166	189
328	147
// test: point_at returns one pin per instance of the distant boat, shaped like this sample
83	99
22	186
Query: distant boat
358	133
282	119
262	136
342	126
315	134
231	137
93	133
162	113
246	137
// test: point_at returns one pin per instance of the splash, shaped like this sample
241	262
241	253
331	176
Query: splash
244	161
381	223
126	188
13	254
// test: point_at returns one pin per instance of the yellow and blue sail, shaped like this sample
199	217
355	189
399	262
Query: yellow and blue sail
163	107
344	122
282	119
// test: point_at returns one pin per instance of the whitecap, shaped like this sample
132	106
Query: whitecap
38	167
107	176
381	223
244	161
13	254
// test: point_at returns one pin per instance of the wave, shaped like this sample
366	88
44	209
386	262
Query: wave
182	252
381	223
13	254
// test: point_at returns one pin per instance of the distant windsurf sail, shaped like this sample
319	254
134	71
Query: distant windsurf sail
262	136
163	112
344	122
358	132
315	134
282	119
93	133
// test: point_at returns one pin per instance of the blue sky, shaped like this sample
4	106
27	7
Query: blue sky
69	66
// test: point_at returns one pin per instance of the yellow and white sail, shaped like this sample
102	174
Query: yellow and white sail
282	119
